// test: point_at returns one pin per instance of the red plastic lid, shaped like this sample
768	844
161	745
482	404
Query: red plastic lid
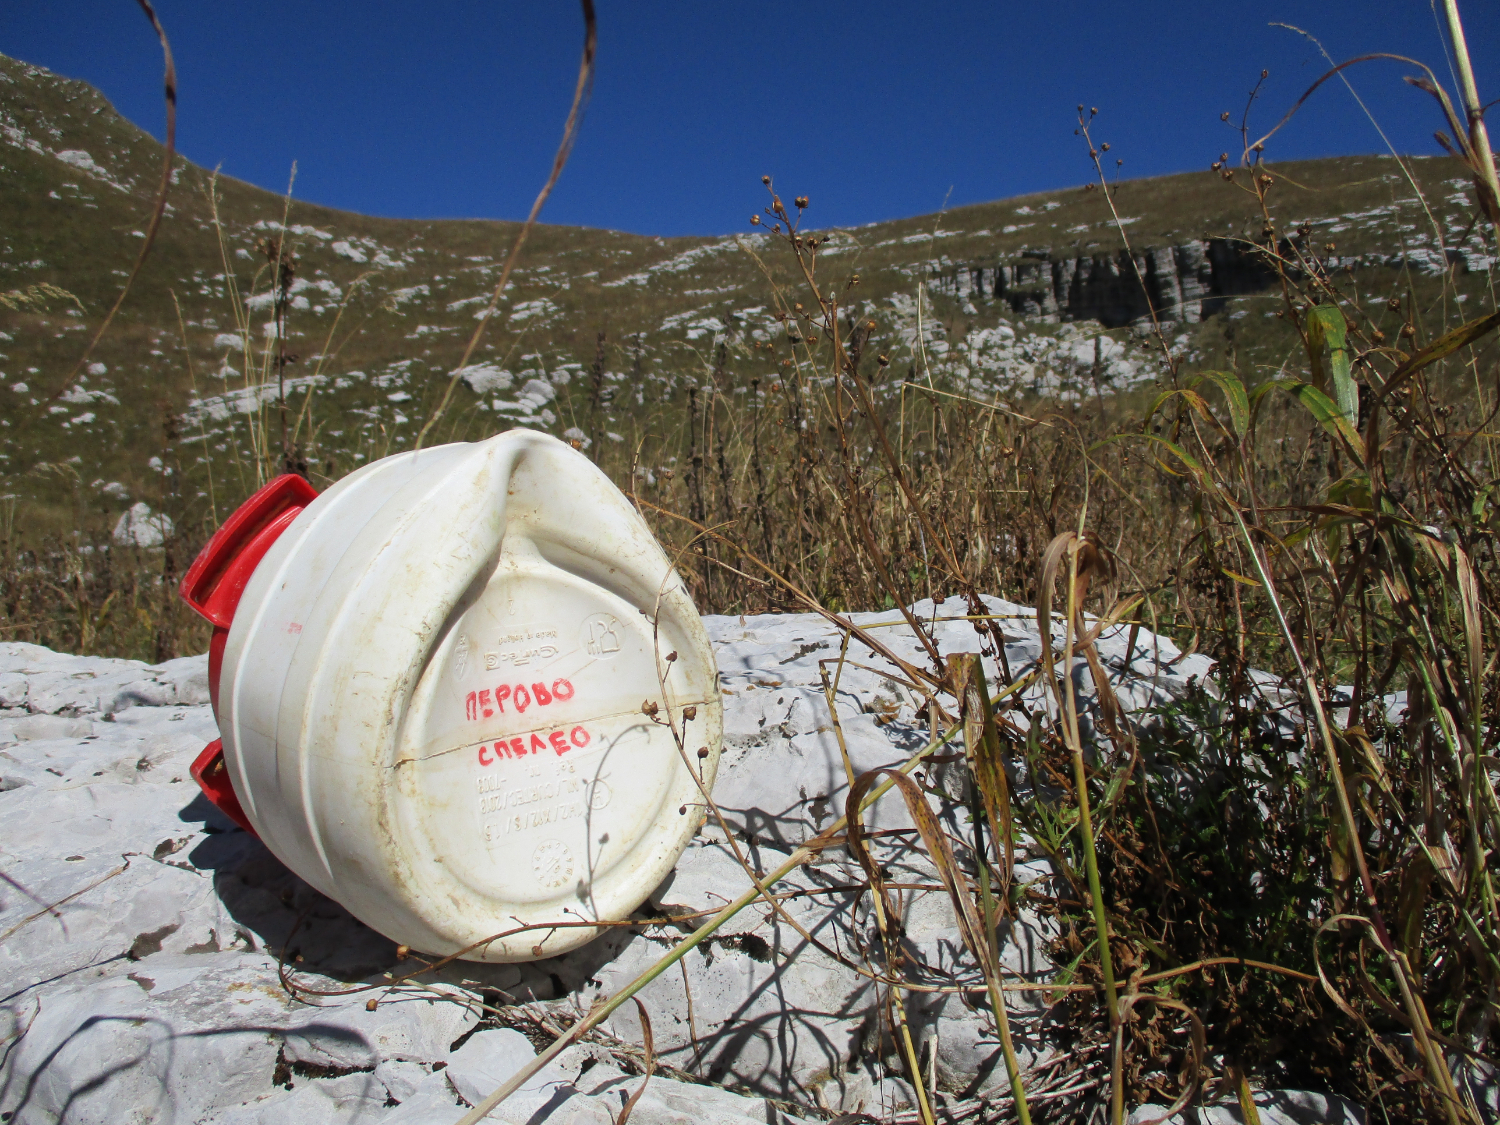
212	776
222	570
213	587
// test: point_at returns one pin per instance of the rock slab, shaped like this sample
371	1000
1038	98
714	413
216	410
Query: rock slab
140	929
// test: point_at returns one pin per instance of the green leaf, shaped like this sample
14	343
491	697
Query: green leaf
1234	394
1325	324
1328	415
1352	491
1316	327
1182	455
1460	337
1191	397
1482	499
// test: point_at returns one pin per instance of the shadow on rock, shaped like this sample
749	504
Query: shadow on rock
275	905
278	907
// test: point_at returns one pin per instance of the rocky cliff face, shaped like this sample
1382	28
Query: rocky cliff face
1184	283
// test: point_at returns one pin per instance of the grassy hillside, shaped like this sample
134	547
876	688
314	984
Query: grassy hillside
599	334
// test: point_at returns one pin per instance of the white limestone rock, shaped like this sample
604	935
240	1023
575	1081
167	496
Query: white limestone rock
346	1100
51	683
139	928
1276	1107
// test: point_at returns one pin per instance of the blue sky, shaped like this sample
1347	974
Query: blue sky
876	110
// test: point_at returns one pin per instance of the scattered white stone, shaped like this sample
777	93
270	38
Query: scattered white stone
1276	1107
486	377
398	297
536	393
346	249
529	310
141	527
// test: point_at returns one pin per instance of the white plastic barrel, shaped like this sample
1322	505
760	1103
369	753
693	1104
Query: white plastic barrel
433	699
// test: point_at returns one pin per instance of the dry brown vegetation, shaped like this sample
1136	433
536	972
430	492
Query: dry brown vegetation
1300	893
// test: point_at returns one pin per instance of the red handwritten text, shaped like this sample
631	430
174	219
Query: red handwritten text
486	704
558	741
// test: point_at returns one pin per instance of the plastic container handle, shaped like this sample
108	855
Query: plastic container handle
212	776
213	587
218	577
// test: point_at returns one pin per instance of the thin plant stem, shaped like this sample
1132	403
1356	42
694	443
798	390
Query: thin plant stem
604	1010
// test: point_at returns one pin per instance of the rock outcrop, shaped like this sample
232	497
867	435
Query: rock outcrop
1184	284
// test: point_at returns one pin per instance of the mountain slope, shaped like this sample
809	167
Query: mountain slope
600	332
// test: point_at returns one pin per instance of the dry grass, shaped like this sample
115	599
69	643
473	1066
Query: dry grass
1288	881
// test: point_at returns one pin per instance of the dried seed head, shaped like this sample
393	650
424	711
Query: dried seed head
649	707
1394	304
1330	247
755	220
371	1004
689	713
884	361
402	952
702	751
1224	116
671	656
1378	335
575	443
766	180
1104	147
801	202
1408	330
